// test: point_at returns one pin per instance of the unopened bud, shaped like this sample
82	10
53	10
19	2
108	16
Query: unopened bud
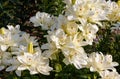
118	2
58	67
2	31
30	47
73	1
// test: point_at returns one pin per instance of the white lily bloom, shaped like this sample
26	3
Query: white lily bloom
43	19
73	52
69	27
33	60
69	45
54	42
87	9
88	31
19	37
98	62
9	37
6	40
78	57
56	37
109	75
13	43
114	11
35	63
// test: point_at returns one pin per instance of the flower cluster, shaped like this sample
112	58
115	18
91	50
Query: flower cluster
19	51
77	27
68	33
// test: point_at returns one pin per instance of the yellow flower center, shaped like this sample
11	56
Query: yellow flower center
30	47
2	31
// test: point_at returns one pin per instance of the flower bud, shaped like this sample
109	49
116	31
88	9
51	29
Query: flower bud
2	31
30	47
58	67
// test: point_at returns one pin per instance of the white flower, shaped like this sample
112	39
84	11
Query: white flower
98	62
87	9
56	37
78	57
109	75
13	43
9	37
71	28
6	40
88	31
43	19
32	60
114	9
54	42
70	45
35	63
73	52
